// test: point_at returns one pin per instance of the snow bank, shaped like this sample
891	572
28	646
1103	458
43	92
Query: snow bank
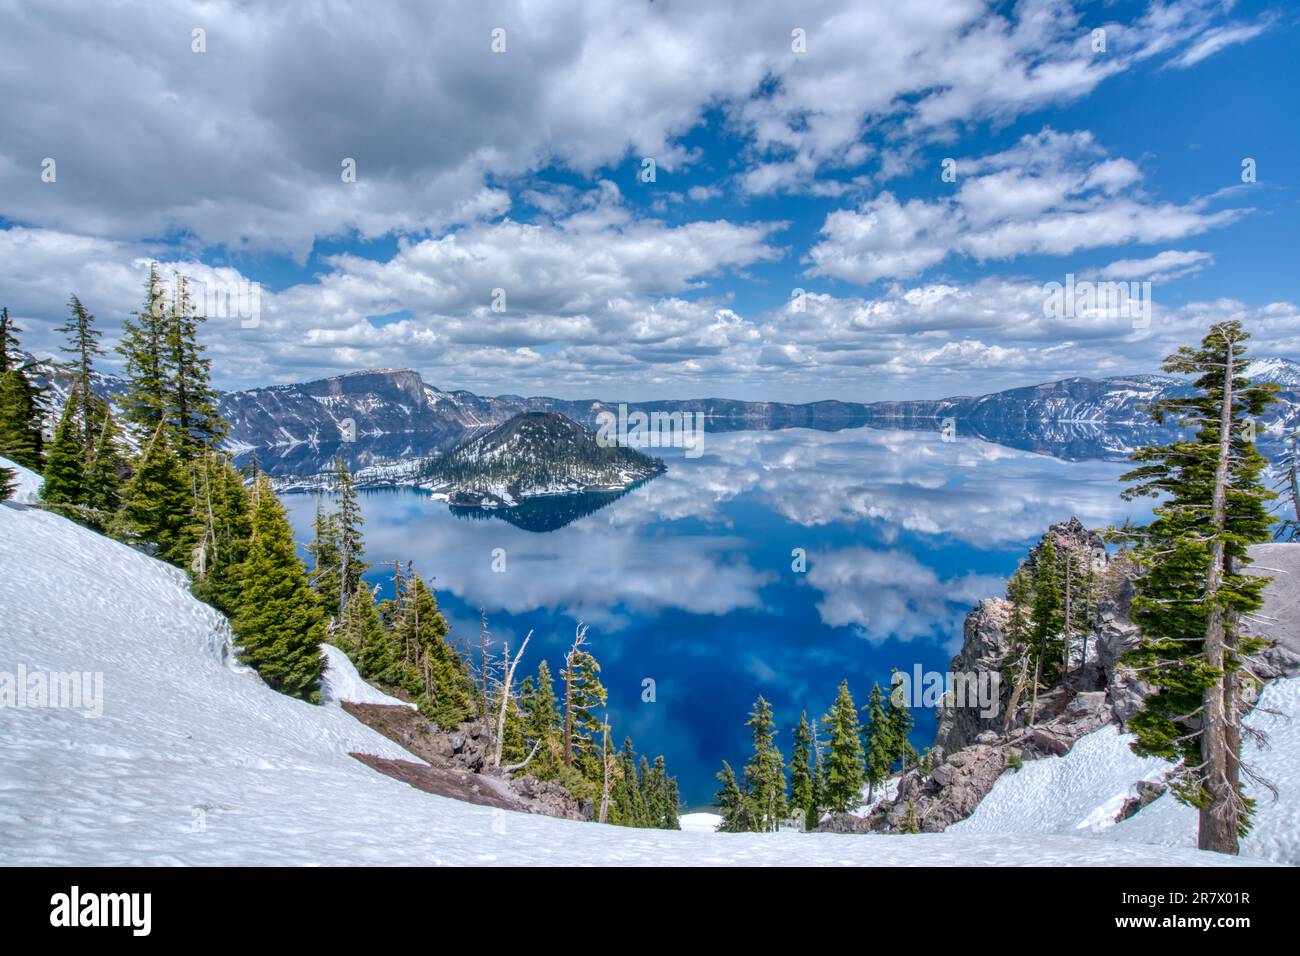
29	483
342	682
1082	792
196	761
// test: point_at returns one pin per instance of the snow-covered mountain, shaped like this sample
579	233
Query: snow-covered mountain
380	417
193	760
531	455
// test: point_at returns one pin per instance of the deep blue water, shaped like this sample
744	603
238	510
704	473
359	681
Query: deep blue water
688	579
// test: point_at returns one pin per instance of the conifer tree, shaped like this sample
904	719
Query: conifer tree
65	463
279	625
899	720
1019	656
158	506
8	483
542	722
1195	595
765	772
347	527
672	806
802	790
732	805
103	477
845	765
360	628
225	514
583	695
83	344
882	743
190	403
142	347
1049	620
324	549
21	408
20	421
439	676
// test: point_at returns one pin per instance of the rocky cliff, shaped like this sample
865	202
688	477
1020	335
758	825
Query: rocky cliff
972	751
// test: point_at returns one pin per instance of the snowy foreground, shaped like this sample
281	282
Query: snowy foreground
195	761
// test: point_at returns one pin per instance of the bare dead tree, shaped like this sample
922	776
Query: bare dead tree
507	680
579	639
605	763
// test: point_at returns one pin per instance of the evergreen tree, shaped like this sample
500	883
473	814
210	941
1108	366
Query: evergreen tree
584	694
765	772
143	348
439	676
11	358
1049	617
672	806
803	795
225	513
732	805
845	766
158	506
103	477
882	743
20	420
8	483
83	344
65	464
899	721
1195	592
190	403
324	549
347	527
279	624
360	628
542	722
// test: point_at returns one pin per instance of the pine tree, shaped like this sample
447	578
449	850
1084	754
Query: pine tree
1019	632
899	721
1192	600
360	628
1049	620
441	681
732	805
190	403
324	549
802	789
542	722
845	766
279	625
765	772
8	483
65	463
142	346
225	513
348	523
103	477
20	421
882	744
672	806
583	695
83	343
158	506
10	349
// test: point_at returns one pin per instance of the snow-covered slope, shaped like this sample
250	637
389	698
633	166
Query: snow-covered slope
27	488
342	682
1082	792
195	761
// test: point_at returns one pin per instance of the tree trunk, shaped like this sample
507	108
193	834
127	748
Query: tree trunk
1219	818
1019	689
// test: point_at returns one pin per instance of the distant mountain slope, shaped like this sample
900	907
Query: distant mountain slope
383	417
533	454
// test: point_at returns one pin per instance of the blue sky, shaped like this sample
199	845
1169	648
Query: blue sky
779	166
